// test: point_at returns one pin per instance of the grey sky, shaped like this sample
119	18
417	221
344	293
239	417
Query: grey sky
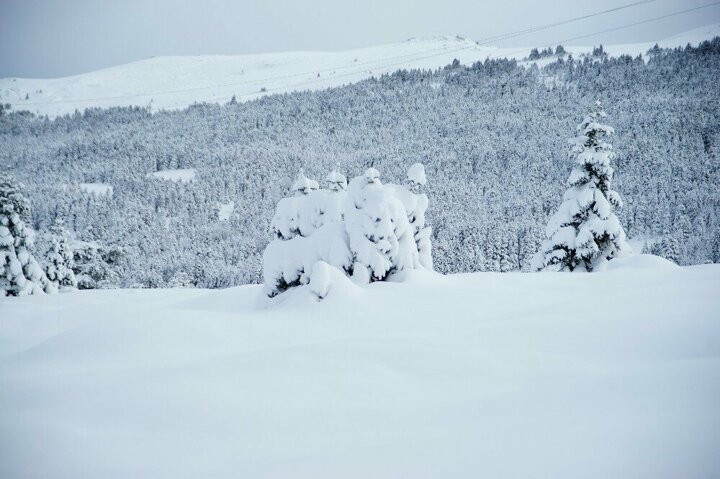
50	38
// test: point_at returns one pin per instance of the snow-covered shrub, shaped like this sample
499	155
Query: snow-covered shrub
288	263
96	266
307	210
368	231
302	215
669	247
20	273
585	232
59	258
180	279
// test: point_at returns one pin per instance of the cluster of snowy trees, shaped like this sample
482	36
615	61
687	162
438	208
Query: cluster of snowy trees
20	272
536	54
367	229
491	135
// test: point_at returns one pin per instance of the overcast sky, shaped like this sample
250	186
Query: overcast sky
50	38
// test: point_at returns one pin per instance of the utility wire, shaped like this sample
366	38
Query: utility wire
629	25
517	51
564	22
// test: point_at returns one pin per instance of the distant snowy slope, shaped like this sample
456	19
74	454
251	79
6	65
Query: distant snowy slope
178	81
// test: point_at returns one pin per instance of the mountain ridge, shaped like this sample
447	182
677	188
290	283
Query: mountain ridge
175	82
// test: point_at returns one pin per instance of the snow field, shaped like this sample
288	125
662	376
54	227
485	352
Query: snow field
612	374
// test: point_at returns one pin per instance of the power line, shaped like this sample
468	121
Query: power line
564	22
520	51
629	25
410	58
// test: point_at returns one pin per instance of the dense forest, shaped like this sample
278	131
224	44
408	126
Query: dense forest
493	137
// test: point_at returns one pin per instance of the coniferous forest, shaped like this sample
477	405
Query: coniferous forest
493	137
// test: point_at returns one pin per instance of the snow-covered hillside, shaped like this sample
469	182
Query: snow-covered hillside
613	374
176	82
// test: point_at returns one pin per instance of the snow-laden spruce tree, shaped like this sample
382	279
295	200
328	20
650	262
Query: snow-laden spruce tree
308	228
304	185
59	262
20	274
584	232
381	238
416	203
307	210
336	181
416	181
97	266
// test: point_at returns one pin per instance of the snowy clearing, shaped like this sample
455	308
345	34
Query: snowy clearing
174	82
96	188
613	374
183	175
225	210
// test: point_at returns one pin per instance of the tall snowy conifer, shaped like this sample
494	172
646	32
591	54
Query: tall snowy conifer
584	232
59	258
20	274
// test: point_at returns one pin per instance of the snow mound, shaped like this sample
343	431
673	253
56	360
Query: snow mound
641	262
197	383
183	175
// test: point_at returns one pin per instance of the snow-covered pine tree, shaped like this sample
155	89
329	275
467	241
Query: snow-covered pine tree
180	279
670	247
336	181
59	258
416	181
506	260
96	266
20	274
380	235
585	232
304	185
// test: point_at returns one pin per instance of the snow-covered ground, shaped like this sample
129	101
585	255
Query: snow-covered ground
613	374
225	210
179	81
